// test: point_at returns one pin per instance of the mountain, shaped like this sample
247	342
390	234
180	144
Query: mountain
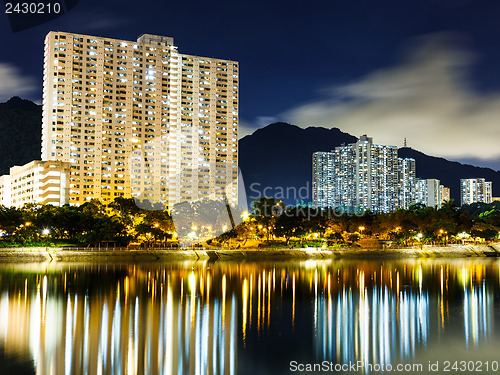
277	161
20	133
449	172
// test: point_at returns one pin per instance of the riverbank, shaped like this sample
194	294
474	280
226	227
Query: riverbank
33	255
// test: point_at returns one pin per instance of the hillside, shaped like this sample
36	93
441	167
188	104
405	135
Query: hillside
21	131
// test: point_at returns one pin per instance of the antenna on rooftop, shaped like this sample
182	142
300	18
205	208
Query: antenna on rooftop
405	143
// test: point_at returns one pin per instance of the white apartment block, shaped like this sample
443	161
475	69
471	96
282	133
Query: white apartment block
364	176
474	190
406	182
38	182
323	168
429	192
138	118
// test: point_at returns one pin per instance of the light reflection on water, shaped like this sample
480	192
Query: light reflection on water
244	318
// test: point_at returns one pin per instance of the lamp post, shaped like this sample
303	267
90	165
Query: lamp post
361	229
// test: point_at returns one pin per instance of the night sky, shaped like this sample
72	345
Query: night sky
427	70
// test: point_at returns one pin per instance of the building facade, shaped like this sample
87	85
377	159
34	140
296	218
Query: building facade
364	176
357	177
406	182
473	190
140	119
38	182
322	181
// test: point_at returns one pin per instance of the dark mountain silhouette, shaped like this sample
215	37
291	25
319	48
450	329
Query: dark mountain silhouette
20	133
279	157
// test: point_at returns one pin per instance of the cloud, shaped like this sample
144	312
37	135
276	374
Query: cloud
14	83
426	98
247	128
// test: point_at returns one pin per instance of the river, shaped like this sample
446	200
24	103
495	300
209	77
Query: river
354	316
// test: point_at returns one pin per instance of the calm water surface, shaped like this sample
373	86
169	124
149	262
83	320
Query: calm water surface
250	318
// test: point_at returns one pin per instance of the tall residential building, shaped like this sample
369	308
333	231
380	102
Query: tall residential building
406	182
362	176
140	119
429	192
39	182
365	176
323	179
474	190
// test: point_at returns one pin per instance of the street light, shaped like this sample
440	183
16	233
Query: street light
46	232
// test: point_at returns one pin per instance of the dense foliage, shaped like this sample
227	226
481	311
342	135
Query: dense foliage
92	224
271	223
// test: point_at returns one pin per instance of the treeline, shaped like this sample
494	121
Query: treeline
119	223
122	223
273	221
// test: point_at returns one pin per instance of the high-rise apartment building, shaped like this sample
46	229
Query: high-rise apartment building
363	176
323	169
406	182
474	190
138	118
429	192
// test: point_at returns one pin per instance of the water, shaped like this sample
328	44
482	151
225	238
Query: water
251	318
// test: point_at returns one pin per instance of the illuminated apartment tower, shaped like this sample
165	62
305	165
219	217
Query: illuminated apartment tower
367	176
140	119
474	190
323	169
429	192
406	182
364	176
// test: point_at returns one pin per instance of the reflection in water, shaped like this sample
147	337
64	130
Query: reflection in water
147	324
201	318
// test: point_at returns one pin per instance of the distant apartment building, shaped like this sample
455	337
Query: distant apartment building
445	194
322	179
429	192
406	182
140	119
360	176
365	176
473	190
39	182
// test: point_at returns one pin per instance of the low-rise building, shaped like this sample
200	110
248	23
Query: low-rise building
39	182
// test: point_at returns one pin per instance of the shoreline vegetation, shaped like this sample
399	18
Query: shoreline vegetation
271	226
70	255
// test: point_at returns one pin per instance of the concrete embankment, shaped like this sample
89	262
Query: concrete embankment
26	255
